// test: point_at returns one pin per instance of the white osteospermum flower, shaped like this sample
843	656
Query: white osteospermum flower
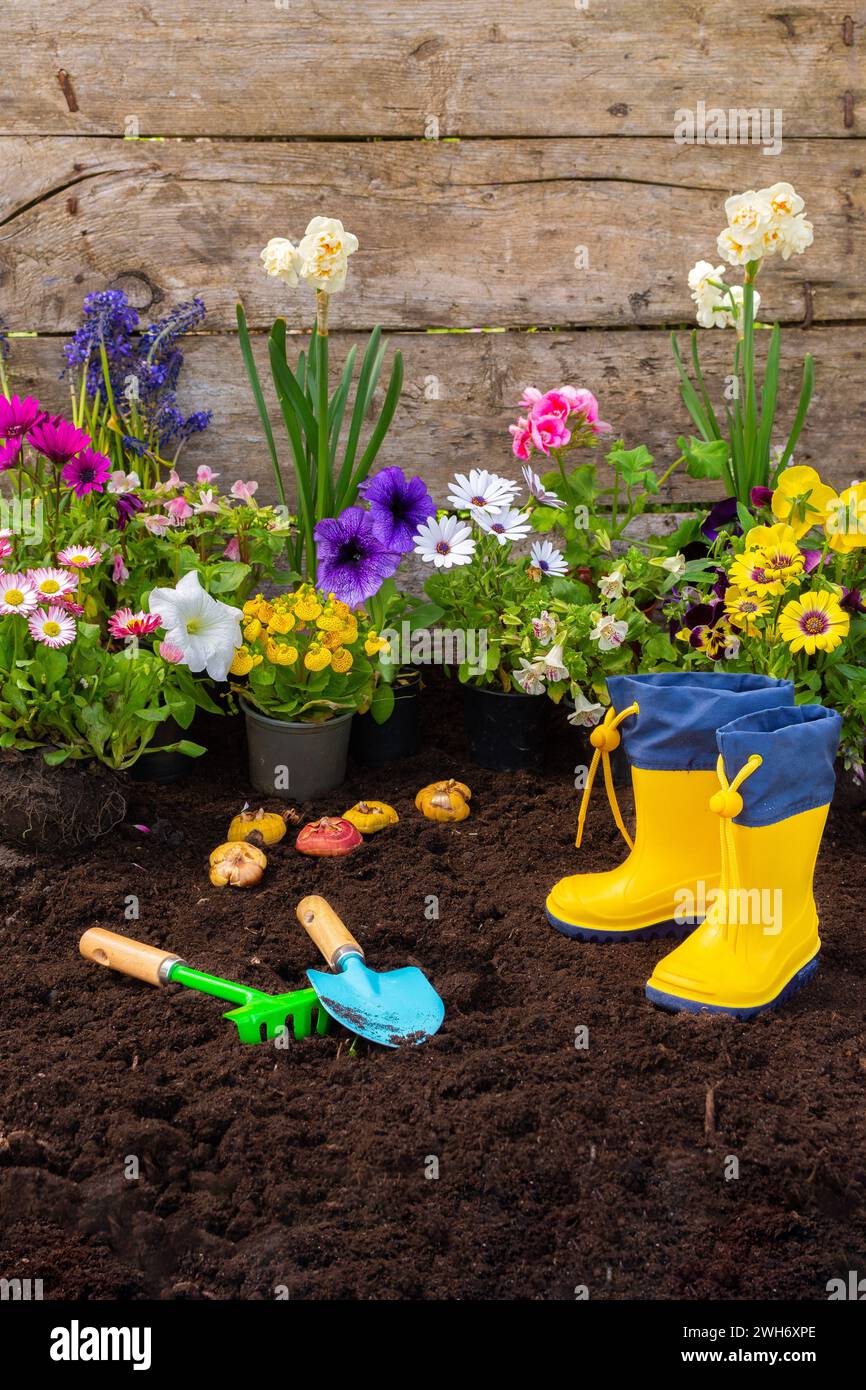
545	557
537	489
708	296
444	543
586	713
611	585
509	524
609	634
280	259
324	252
206	631
554	666
530	677
481	491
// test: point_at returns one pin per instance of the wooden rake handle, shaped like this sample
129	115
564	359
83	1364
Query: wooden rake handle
323	926
127	956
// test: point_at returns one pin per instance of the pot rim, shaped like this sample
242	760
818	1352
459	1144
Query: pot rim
308	726
503	694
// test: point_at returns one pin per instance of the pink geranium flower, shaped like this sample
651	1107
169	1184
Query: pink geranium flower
521	443
555	403
548	432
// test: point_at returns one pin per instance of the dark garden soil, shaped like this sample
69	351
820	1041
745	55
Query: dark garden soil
308	1167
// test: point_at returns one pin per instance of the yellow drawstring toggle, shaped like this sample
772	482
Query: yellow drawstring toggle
604	739
727	803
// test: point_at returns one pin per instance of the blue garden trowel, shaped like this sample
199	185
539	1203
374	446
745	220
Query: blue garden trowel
392	1007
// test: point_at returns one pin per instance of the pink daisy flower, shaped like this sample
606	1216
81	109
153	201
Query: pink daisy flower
68	604
169	652
5	546
80	557
125	623
52	627
17	594
51	583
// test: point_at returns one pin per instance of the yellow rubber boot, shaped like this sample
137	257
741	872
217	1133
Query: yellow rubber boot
759	943
667	724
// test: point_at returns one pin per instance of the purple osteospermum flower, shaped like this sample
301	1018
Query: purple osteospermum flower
398	506
127	505
17	416
88	472
353	560
722	517
57	440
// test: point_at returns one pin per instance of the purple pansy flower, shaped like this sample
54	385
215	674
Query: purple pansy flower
87	472
722	517
852	601
761	497
353	560
57	440
398	506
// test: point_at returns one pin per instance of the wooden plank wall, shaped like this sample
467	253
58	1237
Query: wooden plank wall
510	170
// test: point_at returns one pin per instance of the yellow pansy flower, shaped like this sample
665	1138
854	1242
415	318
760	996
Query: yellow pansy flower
801	499
317	657
814	622
845	524
341	660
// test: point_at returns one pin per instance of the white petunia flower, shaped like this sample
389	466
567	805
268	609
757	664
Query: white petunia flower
554	666
609	634
538	490
481	491
324	252
206	631
611	585
587	713
545	557
280	259
530	677
444	543
509	524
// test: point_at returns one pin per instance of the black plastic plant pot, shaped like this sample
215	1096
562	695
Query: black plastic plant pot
164	767
505	732
375	745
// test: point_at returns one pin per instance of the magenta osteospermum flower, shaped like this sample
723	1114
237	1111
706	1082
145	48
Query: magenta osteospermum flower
57	440
17	594
10	455
52	627
51	583
125	623
80	557
18	416
87	472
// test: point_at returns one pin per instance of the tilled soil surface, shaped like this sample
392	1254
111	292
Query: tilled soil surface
498	1160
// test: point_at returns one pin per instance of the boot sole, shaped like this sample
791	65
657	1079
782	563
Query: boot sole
677	1004
655	931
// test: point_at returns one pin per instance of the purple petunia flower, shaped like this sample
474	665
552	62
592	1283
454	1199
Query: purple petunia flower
57	440
18	416
353	560
398	506
127	505
87	472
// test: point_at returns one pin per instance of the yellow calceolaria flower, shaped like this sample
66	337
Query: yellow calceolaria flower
281	622
331	640
266	611
845	525
317	657
251	607
341	660
741	610
373	643
307	608
243	661
814	622
280	653
801	499
252	630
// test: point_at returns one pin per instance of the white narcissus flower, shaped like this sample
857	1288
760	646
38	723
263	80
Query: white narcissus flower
481	491
206	631
609	634
444	543
554	666
611	585
587	713
324	252
675	565
280	259
545	557
732	316
509	524
708	296
530	677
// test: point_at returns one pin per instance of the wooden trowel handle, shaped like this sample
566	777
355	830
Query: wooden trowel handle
324	927
130	957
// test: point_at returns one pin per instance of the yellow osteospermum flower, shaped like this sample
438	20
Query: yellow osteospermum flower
341	660
751	573
845	523
374	643
814	622
252	630
781	557
743	608
801	499
243	662
281	622
317	657
280	653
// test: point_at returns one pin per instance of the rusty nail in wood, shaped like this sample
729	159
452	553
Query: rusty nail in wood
848	31
848	102
66	87
809	308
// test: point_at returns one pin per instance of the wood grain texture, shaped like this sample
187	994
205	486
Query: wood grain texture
460	235
460	393
386	67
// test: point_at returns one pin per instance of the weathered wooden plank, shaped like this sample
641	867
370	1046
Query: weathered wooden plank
461	390
514	233
391	67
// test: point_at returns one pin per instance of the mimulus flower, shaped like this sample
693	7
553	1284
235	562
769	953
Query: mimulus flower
79	557
609	634
52	627
206	503
509	524
554	666
537	489
51	583
544	627
545	557
157	523
481	491
233	550
206	631
17	594
178	509
119	572
530	677
586	713
814	622
611	586
280	259
244	491
125	623
324	252
118	481
445	543
675	565
205	475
